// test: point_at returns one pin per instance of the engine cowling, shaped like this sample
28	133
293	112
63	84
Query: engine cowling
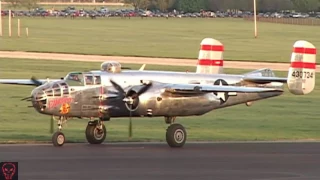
111	66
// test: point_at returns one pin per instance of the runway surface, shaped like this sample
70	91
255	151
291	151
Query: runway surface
143	60
157	161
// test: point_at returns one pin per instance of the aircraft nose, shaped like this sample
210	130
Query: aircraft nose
39	99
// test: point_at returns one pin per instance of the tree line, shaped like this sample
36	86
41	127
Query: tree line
209	5
29	4
223	5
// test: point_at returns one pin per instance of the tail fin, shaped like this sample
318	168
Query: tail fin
302	74
210	60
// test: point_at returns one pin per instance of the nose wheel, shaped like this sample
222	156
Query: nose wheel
58	138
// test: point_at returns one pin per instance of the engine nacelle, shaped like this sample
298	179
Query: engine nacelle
111	66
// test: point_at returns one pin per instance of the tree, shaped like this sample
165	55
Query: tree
192	5
138	4
164	5
29	4
306	5
247	5
14	3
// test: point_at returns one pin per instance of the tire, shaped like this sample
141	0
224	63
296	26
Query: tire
93	136
58	139
176	135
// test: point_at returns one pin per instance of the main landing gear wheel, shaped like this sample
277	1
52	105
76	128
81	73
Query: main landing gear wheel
58	138
96	133
176	135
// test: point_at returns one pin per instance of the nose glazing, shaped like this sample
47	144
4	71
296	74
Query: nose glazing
39	99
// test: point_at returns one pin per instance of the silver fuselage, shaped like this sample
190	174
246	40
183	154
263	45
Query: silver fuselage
84	105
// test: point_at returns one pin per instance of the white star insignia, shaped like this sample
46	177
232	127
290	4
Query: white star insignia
221	95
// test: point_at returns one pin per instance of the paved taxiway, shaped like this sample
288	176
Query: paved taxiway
156	161
143	60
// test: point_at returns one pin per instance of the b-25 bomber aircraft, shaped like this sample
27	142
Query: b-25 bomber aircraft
111	92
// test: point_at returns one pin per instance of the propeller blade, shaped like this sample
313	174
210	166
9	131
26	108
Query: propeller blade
26	98
130	123
36	81
142	90
118	88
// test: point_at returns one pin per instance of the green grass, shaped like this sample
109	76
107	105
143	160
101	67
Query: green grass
157	37
287	117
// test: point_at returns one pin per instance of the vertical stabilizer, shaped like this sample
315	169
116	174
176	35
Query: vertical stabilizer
302	74
210	60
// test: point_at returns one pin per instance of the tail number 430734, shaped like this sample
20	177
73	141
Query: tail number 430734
302	74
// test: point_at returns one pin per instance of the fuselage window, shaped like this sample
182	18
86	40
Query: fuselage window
97	80
89	80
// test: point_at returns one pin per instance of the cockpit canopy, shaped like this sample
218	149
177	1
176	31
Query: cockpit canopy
83	79
111	66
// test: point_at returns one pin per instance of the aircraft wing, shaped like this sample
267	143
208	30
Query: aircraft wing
199	88
264	80
29	82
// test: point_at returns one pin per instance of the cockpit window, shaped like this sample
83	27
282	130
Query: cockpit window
75	79
89	79
92	79
97	80
80	79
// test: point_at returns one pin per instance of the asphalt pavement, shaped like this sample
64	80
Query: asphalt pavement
157	161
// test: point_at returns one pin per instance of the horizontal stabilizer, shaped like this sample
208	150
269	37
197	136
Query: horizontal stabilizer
264	80
195	88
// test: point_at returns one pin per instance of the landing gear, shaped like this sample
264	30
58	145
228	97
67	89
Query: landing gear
96	132
176	135
58	138
169	120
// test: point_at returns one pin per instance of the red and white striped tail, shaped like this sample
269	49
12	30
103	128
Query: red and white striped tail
302	71
210	60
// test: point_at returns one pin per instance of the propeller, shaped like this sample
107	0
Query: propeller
39	83
129	99
26	98
36	81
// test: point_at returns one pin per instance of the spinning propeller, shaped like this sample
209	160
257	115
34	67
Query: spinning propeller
38	83
130	98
